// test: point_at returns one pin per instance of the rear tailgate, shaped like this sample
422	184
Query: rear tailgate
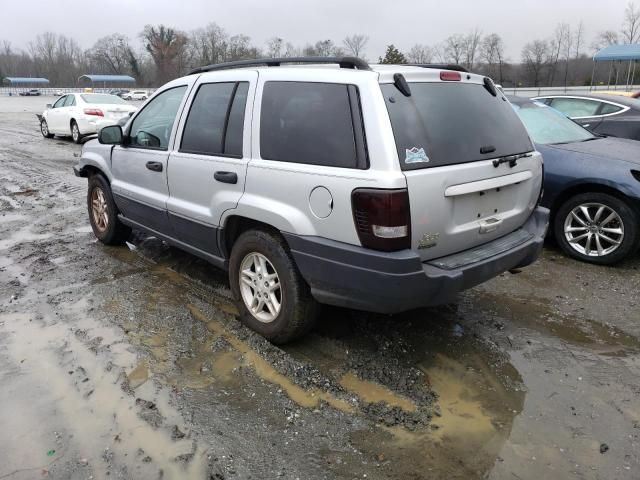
471	169
458	207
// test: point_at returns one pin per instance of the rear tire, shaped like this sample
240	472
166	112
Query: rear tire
44	129
286	312
103	213
597	228
76	136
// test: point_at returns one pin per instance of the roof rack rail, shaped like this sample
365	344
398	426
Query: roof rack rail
344	62
440	66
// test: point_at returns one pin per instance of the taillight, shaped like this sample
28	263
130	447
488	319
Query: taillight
93	111
450	76
382	218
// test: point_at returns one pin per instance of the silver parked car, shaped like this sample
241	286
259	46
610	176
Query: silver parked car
383	188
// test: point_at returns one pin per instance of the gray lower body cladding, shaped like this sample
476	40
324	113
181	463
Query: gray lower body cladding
355	277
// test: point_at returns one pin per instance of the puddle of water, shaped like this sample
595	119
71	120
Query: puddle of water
371	392
304	398
540	316
91	413
138	375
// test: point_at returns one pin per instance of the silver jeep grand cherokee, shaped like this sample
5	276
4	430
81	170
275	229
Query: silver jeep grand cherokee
382	188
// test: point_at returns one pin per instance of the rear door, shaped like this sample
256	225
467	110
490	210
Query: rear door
139	166
451	139
207	168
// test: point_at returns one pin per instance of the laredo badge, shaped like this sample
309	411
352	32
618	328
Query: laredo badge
415	155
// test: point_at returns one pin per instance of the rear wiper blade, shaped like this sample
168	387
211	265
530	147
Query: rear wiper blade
512	160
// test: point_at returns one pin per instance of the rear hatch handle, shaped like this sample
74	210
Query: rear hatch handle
490	225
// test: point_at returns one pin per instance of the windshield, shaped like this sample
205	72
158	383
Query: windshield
101	98
547	126
446	123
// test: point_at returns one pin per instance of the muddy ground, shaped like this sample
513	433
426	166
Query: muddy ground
128	362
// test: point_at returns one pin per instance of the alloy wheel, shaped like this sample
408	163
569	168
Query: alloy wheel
75	133
594	229
99	209
44	128
260	287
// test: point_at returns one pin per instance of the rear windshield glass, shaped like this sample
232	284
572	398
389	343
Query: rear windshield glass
101	98
449	123
550	127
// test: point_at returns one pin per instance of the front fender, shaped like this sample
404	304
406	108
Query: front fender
95	155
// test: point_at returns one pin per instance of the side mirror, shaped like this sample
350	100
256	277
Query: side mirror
48	106
111	135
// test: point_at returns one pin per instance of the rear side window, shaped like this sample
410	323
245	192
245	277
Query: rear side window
576	107
216	119
608	108
312	123
450	123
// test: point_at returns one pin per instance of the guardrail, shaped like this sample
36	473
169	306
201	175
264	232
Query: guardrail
50	91
540	91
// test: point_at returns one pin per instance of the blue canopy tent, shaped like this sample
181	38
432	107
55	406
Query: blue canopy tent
107	80
617	53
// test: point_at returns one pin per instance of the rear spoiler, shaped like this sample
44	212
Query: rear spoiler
440	66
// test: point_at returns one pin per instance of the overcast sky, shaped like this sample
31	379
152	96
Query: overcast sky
402	22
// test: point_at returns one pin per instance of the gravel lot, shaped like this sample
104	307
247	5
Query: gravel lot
128	362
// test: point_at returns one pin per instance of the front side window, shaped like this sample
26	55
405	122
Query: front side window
576	107
216	120
70	101
305	122
60	102
152	127
550	127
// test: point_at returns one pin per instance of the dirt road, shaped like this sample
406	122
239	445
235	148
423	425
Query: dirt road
128	362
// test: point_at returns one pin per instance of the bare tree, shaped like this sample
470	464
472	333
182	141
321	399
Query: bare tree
534	56
167	47
492	53
208	45
274	47
355	44
578	40
420	54
567	49
605	39
631	26
470	45
112	53
454	48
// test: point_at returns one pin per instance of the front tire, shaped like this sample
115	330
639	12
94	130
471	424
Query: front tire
272	297
75	132
597	228
44	129
103	213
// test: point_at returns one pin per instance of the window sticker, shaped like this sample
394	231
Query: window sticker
415	155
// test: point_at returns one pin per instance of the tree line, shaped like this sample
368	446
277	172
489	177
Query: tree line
161	53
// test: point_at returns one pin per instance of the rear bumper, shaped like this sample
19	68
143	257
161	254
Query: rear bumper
355	277
93	125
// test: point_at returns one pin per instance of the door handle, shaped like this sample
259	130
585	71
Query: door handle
226	177
154	166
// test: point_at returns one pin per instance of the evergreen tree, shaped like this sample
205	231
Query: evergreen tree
393	56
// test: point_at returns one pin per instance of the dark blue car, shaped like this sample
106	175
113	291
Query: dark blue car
591	185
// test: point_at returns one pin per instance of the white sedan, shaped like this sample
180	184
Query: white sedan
80	114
